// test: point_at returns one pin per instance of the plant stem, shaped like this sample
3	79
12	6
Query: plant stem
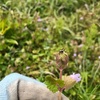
59	96
60	75
60	90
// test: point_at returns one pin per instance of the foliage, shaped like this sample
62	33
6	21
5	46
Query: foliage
31	31
53	83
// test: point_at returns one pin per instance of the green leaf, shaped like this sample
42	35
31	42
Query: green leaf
60	83
3	67
91	34
50	82
53	84
2	47
11	41
52	87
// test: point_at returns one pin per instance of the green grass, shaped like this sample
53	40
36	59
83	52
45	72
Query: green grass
32	31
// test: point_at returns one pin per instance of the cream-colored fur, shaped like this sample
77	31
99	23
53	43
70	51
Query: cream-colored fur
30	91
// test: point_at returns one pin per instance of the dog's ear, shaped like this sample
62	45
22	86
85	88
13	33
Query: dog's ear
13	90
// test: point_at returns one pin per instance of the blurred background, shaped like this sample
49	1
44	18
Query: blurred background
33	31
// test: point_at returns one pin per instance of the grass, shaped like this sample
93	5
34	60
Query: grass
31	32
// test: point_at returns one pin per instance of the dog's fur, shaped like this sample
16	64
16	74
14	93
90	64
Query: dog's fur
23	90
